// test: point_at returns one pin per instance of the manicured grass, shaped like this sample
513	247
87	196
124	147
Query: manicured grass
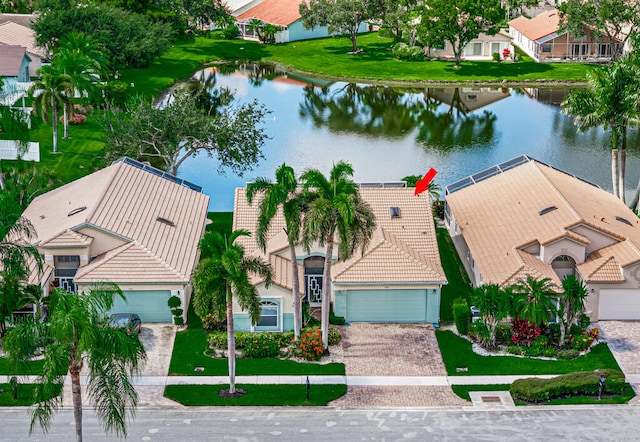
30	368
463	392
25	395
457	352
458	285
220	221
188	353
260	395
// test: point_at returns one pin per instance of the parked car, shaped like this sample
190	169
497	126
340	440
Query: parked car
130	321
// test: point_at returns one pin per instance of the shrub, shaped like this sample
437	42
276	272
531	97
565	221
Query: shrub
594	332
550	352
514	349
178	320
572	384
478	332
567	355
261	345
310	344
75	119
581	342
335	320
230	32
403	51
174	302
496	56
584	322
84	110
218	339
438	209
211	323
503	334
552	332
461	315
385	33
538	346
177	311
505	53
523	333
334	336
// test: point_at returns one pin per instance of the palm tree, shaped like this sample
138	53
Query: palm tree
574	294
611	100
533	300
283	193
494	305
77	331
55	89
222	274
336	207
79	57
16	235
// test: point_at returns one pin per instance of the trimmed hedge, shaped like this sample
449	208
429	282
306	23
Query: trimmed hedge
219	339
461	316
582	383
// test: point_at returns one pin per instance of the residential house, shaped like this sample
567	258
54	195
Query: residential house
397	279
481	48
129	224
14	66
525	218
541	39
467	99
14	34
282	13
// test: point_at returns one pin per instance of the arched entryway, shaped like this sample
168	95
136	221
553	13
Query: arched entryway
564	265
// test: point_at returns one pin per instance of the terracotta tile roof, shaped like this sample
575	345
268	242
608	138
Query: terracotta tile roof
129	263
502	212
35	277
67	238
537	27
11	60
605	265
14	34
532	266
125	201
275	12
403	250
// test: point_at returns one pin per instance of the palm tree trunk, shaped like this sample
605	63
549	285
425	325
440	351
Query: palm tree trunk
636	198
623	162
65	131
295	292
231	348
614	171
326	294
54	123
76	391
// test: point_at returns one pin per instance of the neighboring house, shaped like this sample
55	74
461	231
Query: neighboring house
282	13
480	48
397	279
467	99
130	224
14	34
21	19
524	218
539	37
14	67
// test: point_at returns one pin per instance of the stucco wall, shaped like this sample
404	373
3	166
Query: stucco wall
632	281
563	247
597	239
102	242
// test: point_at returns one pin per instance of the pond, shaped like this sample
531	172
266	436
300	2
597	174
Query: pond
389	133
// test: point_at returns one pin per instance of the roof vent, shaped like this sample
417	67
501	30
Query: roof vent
77	210
547	210
624	220
166	221
395	212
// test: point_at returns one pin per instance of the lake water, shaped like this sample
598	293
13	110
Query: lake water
389	133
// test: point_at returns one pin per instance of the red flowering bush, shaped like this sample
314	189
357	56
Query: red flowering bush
523	333
310	345
506	53
75	119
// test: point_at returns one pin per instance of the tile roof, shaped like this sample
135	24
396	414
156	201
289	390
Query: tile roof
126	201
275	12
502	213
14	34
11	60
605	265
67	238
403	250
537	27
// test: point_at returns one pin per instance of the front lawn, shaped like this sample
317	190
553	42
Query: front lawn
458	285
258	395
457	352
25	395
29	368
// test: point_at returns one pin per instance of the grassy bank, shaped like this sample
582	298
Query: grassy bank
458	285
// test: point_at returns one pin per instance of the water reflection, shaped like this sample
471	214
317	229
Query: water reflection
388	133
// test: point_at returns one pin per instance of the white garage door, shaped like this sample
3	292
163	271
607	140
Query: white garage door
619	304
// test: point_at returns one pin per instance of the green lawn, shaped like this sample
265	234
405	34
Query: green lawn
463	392
188	353
30	368
457	352
269	395
458	282
25	395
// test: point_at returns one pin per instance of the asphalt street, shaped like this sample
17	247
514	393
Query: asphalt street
585	423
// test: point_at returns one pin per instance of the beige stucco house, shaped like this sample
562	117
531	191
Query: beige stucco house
523	217
130	224
480	48
397	279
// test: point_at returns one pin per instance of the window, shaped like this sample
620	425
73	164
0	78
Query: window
579	50
440	47
547	47
473	49
604	50
269	317
495	47
395	212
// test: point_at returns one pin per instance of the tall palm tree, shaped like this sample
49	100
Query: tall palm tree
574	294
16	236
78	56
222	274
77	332
54	90
336	208
612	101
494	305
533	299
283	193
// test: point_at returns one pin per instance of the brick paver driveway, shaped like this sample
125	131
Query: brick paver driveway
623	338
394	350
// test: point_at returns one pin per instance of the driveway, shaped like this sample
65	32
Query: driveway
157	339
623	338
394	350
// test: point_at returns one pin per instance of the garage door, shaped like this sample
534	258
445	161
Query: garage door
386	306
619	304
150	305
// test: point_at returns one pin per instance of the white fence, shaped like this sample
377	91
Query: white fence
9	150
